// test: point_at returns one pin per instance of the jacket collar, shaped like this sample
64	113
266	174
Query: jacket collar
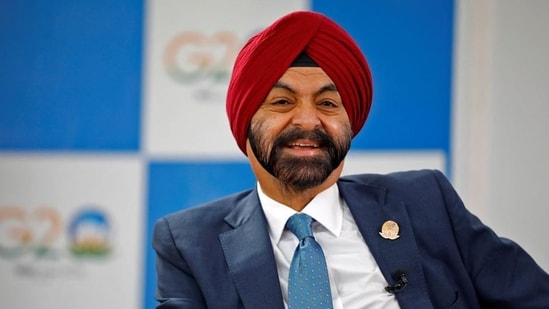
249	255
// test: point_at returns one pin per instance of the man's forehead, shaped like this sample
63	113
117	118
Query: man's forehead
305	81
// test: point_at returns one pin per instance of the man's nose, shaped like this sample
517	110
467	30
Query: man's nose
306	115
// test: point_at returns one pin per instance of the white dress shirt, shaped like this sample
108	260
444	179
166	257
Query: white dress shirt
355	278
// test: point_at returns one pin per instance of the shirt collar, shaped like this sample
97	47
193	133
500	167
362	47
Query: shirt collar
326	208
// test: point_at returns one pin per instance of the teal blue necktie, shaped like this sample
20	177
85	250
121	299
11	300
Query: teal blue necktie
308	283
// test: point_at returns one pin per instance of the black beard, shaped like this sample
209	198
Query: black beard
299	173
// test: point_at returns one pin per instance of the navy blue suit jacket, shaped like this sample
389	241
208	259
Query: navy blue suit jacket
219	255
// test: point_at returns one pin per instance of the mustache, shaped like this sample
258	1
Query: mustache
317	135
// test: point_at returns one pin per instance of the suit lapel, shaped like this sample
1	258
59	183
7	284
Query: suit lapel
371	207
249	255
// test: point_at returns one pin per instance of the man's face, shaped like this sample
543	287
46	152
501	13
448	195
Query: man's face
301	132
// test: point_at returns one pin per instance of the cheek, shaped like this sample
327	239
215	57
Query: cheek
338	126
260	131
266	127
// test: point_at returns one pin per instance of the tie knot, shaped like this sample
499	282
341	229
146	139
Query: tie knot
301	225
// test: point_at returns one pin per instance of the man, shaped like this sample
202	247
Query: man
300	90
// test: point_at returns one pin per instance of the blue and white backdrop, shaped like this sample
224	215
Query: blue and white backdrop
112	115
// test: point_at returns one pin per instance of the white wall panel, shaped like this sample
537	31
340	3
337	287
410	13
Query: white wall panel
501	147
71	231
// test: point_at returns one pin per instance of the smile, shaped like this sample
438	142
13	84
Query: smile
304	145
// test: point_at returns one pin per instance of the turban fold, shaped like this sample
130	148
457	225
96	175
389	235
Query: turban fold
268	54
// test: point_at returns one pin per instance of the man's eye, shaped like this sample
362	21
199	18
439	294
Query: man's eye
327	104
280	102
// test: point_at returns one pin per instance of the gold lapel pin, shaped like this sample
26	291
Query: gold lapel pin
389	230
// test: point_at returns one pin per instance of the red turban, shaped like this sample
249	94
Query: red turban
268	54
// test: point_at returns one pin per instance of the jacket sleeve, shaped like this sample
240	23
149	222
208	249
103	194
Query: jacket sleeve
176	286
504	275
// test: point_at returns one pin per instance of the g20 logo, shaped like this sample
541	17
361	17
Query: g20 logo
193	56
40	232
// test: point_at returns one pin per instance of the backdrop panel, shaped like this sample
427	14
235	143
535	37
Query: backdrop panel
82	82
70	231
70	75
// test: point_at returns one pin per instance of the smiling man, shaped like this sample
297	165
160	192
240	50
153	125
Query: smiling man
306	238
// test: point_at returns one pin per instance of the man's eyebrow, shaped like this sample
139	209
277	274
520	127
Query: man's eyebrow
331	87
327	88
281	85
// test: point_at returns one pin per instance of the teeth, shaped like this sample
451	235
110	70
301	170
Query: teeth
304	145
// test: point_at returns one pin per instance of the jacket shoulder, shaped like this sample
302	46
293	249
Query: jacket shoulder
397	179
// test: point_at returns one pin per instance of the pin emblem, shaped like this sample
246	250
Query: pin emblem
389	230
